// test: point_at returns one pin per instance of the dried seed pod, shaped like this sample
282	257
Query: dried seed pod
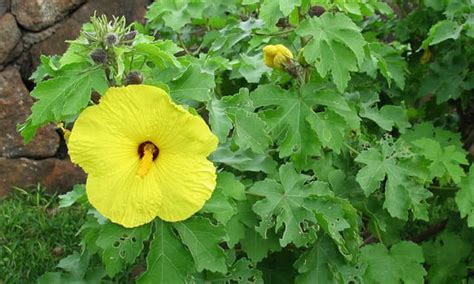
244	17
316	11
283	23
129	36
134	78
111	39
99	56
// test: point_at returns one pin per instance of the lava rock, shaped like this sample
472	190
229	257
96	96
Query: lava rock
55	174
35	15
15	104
10	36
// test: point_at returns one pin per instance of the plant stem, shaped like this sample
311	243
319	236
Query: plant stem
253	194
181	42
275	33
430	232
351	148
435	187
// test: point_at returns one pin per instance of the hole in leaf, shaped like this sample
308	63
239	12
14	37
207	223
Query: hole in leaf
134	239
116	244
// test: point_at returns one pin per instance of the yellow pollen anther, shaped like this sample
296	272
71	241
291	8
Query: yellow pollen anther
66	132
147	160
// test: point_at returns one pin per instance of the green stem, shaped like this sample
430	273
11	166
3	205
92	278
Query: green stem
351	148
181	42
254	194
275	33
435	187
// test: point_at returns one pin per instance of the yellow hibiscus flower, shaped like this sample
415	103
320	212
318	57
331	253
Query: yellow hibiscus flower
276	56
144	155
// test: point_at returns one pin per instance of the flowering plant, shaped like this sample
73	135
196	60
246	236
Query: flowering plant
268	141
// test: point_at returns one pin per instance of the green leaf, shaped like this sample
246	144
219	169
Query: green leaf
202	239
330	128
386	59
340	221
337	46
465	197
239	223
322	264
76	268
218	119
287	122
442	136
77	195
75	264
244	160
161	58
77	52
446	77
314	265
387	116
168	260
441	31
250	130
121	246
444	161
447	258
256	247
270	13
175	13
402	193
63	96
242	271
252	67
49	67
222	204
193	84
402	264
335	102
235	231
287	6
231	186
284	207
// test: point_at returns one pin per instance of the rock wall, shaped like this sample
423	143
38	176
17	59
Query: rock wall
29	28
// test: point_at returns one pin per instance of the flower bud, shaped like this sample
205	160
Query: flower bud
301	58
111	39
133	78
316	11
277	56
129	36
99	56
426	57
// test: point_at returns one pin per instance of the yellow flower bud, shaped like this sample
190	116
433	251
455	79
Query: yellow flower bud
66	132
426	57
276	56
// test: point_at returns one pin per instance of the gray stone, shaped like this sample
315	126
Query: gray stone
10	35
55	174
4	6
36	15
15	104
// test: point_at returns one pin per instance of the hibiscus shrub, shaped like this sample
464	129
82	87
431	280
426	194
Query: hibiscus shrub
342	128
